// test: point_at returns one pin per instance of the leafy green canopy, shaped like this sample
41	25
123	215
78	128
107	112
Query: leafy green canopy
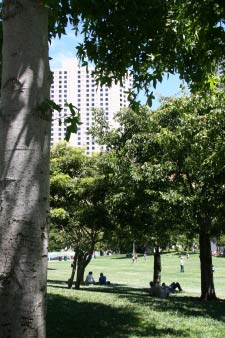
171	162
150	38
78	199
146	38
137	208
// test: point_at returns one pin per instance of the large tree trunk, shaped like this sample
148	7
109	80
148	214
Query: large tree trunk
207	284
157	266
24	170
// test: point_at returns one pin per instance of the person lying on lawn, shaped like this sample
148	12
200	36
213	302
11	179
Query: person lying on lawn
172	287
162	291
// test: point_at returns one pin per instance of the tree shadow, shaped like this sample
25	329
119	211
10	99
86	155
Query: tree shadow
69	318
121	257
119	289
140	255
190	306
112	288
185	305
59	284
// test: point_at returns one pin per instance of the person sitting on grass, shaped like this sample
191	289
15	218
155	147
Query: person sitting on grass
155	289
89	279
102	280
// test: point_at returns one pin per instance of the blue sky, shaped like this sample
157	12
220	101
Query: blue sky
64	49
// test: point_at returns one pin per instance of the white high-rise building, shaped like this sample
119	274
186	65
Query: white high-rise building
75	84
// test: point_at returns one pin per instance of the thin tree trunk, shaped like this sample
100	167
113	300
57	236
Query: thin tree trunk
157	266
71	279
24	170
134	249
207	284
88	258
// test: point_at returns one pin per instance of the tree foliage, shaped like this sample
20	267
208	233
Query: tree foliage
148	39
173	158
79	214
153	38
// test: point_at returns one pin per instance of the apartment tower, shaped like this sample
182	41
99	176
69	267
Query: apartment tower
76	84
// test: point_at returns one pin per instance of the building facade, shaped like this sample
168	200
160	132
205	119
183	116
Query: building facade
76	84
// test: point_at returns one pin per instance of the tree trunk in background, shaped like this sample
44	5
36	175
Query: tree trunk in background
207	284
82	264
80	271
87	259
134	249
24	170
157	266
74	267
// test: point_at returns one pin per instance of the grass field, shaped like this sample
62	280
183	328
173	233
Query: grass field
125	310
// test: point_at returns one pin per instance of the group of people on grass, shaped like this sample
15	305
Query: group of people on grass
163	290
156	290
101	281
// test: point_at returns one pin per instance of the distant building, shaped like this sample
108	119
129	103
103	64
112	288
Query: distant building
75	84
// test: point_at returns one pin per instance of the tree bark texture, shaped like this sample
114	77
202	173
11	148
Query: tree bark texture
24	170
157	266
207	283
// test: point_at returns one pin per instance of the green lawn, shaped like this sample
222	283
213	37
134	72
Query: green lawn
125	310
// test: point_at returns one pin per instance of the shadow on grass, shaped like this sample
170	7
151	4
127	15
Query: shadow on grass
59	284
185	305
192	307
119	289
107	317
69	318
121	257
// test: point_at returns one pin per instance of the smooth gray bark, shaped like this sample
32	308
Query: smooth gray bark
24	170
